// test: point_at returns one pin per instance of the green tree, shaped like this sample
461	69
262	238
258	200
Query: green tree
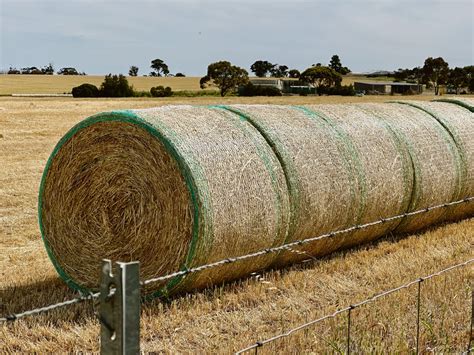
435	72
116	86
321	76
261	68
48	69
279	71
458	78
160	68
225	76
335	63
161	91
401	74
68	71
133	71
294	73
85	90
180	75
469	70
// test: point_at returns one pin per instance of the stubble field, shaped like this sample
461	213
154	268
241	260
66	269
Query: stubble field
62	84
232	316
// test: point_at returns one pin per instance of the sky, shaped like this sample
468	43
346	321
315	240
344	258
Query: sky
108	36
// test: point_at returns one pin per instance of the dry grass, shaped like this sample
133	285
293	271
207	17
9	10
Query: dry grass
59	84
228	317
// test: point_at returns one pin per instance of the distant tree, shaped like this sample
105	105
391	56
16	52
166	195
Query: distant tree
68	71
335	63
31	70
279	71
160	68
321	76
469	70
261	68
48	69
85	90
225	76
133	71
160	91
116	86
294	73
401	74
12	70
458	78
180	75
416	75
435	72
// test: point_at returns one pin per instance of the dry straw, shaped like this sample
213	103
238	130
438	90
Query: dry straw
180	186
458	122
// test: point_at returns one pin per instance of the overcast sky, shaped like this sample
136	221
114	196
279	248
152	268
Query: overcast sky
103	36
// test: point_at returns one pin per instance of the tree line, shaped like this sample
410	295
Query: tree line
46	70
326	79
436	72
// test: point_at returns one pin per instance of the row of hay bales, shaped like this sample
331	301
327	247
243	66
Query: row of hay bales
180	186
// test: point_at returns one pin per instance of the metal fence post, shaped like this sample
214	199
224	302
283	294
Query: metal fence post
351	307
418	305
119	311
471	335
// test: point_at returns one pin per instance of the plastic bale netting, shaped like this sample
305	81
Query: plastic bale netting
171	187
177	187
459	123
387	172
437	163
322	173
465	102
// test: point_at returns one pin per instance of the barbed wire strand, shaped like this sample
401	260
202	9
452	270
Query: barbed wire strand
350	307
288	246
15	316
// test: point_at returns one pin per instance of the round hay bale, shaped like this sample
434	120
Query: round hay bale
435	159
322	172
459	124
181	186
171	187
465	102
386	165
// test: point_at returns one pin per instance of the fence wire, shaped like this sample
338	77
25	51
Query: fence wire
353	306
288	246
15	316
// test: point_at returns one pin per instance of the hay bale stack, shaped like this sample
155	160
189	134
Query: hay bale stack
179	186
172	187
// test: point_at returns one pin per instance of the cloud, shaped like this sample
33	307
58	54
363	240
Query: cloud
109	36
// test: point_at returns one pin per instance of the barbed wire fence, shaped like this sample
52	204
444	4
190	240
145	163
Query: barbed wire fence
119	295
351	307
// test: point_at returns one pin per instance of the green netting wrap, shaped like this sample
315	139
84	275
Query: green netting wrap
464	102
177	187
458	124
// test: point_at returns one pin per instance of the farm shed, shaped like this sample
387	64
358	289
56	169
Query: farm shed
379	87
177	187
276	83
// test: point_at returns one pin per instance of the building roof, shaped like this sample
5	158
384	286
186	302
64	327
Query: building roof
392	83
